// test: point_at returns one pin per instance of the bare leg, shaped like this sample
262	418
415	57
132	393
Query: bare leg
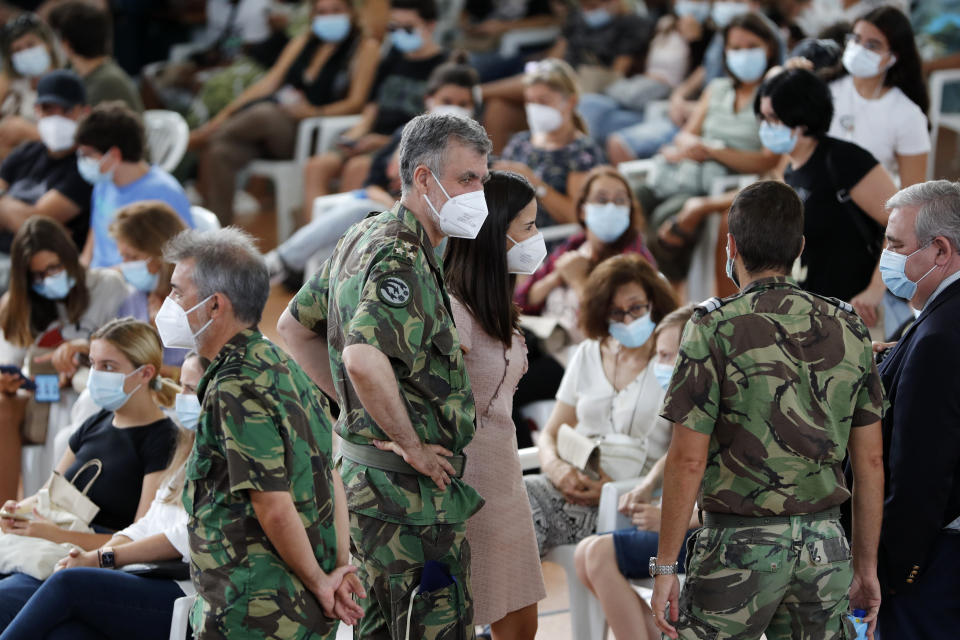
617	151
502	118
319	173
516	625
627	614
11	419
580	561
355	172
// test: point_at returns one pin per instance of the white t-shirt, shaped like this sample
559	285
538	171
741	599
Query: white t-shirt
890	125
633	412
168	518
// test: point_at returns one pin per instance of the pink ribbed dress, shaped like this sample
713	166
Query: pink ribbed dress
505	564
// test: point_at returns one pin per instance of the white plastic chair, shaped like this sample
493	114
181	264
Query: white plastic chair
512	41
287	175
938	80
204	219
179	624
559	231
167	137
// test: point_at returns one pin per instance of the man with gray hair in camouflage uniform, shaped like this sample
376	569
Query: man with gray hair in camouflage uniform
375	329
267	518
772	386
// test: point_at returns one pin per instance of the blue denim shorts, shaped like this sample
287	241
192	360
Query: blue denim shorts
634	548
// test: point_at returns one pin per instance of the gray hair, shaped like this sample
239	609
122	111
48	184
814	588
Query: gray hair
938	210
225	261
426	138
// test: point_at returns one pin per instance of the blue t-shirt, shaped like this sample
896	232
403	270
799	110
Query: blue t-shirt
156	184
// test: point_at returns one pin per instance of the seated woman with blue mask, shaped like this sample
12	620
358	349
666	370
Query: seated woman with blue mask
52	306
72	602
131	441
605	563
609	394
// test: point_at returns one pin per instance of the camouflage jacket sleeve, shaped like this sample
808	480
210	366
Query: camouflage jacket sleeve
871	403
309	306
393	311
250	439
693	397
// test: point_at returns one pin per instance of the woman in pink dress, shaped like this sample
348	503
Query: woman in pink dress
505	564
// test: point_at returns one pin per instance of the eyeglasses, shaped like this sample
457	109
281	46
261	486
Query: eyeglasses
39	276
870	45
401	27
620	201
636	311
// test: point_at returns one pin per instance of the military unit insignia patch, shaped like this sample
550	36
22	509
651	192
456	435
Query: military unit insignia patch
393	291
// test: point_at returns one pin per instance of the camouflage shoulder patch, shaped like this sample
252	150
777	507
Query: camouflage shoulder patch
836	302
709	305
393	290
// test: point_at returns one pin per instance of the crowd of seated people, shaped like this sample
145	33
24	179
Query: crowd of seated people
610	128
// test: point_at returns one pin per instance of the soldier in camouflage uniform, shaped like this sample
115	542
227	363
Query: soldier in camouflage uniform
265	556
770	389
374	327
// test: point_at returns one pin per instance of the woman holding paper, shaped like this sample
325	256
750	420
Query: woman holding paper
505	567
609	394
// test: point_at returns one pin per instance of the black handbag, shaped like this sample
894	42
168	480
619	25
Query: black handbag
164	570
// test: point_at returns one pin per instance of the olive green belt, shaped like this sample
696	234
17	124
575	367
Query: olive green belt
734	521
370	456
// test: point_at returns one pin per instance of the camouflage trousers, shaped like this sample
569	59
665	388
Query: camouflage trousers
785	580
390	558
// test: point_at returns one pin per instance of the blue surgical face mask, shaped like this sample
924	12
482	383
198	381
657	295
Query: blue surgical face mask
106	388
607	221
778	138
748	65
56	286
596	18
331	28
893	271
634	334
724	12
138	275
663	373
89	170
406	42
188	410
700	11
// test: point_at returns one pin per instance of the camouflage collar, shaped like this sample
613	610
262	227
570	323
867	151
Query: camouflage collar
236	343
410	221
773	281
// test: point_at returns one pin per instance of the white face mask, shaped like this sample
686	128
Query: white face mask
860	62
460	216
543	119
57	132
32	62
524	257
173	326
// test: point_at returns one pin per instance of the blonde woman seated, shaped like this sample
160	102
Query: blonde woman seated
610	394
605	563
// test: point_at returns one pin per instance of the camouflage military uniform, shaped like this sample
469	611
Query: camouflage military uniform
264	427
383	287
777	377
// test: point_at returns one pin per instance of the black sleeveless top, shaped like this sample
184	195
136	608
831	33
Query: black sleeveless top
333	79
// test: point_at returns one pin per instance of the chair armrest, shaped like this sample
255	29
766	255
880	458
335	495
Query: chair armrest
529	458
608	518
723	184
559	231
512	41
326	129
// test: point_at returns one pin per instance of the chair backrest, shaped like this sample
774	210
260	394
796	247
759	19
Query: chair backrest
204	219
167	137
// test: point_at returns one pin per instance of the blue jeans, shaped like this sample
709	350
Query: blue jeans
605	116
15	591
96	603
320	236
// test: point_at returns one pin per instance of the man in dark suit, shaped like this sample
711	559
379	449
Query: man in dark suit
919	558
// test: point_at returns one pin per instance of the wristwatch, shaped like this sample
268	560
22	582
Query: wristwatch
661	569
106	557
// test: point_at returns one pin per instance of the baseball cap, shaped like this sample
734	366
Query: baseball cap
61	87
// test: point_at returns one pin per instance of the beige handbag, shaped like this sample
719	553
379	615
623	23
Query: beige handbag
37	416
65	496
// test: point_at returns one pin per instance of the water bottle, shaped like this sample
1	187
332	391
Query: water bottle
858	624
